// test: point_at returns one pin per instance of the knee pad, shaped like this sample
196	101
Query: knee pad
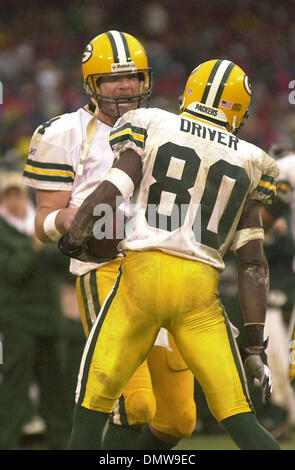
140	407
179	424
185	424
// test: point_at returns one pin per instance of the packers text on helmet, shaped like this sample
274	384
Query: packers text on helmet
218	91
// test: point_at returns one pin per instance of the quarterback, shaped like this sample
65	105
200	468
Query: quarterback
223	187
69	155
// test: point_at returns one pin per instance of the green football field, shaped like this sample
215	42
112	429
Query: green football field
198	441
221	442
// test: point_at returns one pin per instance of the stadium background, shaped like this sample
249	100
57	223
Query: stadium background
41	43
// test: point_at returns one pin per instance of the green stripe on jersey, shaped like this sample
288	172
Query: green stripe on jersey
49	166
126	137
264	190
51	172
268	178
128	132
137	130
49	178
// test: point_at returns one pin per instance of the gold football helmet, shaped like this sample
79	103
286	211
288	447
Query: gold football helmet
218	91
110	54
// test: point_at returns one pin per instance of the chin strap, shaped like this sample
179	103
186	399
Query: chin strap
90	133
238	128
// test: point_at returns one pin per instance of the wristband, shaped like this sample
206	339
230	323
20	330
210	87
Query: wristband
50	228
254	334
121	180
245	235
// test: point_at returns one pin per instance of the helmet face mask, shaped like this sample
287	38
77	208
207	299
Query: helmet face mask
111	55
92	88
218	91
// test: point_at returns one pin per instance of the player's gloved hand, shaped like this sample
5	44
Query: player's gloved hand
67	248
79	252
256	367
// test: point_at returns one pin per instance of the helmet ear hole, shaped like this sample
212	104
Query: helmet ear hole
180	102
141	76
242	122
89	87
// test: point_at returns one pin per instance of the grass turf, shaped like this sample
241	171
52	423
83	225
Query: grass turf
221	442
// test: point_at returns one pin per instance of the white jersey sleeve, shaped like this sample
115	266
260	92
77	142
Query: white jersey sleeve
265	173
52	150
130	132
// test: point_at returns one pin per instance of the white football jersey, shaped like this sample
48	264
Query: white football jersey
286	185
196	179
54	156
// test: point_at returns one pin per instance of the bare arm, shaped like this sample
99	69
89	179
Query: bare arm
268	220
49	201
253	288
253	277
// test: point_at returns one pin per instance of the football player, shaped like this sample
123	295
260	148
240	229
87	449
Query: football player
69	156
203	187
284	204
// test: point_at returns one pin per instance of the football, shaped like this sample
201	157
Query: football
106	247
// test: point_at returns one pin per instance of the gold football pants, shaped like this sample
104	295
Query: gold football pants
161	390
155	290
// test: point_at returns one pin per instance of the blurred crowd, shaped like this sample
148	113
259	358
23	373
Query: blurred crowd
41	47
